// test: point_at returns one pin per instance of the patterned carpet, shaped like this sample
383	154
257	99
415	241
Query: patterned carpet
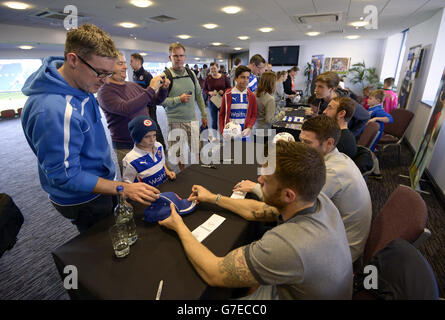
28	270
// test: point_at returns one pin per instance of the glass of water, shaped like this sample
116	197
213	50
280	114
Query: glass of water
119	238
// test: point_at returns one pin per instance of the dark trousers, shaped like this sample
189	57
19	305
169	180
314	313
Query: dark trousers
85	215
154	117
214	115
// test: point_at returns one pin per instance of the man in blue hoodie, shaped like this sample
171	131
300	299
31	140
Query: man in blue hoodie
62	124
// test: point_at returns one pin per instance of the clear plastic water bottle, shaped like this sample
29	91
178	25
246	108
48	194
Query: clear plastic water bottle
123	214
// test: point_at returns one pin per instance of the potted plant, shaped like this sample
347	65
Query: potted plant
359	74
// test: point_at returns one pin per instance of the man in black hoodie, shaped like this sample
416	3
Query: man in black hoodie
326	88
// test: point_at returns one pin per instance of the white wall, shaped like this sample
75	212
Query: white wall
371	51
391	56
429	33
438	61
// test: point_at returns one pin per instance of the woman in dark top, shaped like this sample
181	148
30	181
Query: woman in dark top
215	84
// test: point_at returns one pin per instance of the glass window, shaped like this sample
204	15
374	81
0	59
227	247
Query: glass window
13	74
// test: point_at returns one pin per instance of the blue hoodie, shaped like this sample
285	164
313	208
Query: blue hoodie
64	130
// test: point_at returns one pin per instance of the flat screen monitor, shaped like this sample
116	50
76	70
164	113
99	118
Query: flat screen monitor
284	55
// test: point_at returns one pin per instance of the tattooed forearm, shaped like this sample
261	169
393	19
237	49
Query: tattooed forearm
234	270
266	212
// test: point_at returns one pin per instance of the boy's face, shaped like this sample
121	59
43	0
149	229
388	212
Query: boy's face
373	101
242	81
322	91
148	141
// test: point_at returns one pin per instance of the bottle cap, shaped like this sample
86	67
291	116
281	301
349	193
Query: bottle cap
120	188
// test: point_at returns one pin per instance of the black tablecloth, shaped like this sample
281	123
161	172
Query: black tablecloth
280	126
158	253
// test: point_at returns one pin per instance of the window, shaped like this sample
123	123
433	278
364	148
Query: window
13	74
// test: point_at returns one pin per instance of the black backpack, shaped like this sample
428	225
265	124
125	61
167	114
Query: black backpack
169	76
11	220
403	274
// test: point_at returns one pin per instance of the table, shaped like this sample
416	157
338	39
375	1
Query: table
158	253
283	126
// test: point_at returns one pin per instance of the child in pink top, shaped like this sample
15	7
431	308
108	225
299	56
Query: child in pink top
391	99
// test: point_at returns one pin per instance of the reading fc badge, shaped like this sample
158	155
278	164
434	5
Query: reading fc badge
141	78
159	154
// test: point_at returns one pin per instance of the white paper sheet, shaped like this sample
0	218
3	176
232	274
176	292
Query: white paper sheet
208	227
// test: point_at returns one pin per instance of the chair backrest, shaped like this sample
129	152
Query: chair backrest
8	114
403	216
369	135
402	119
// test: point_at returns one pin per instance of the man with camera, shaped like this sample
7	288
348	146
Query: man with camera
121	101
180	103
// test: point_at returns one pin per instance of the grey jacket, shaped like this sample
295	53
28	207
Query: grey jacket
268	112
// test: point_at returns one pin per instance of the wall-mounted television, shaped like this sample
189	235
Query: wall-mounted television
284	55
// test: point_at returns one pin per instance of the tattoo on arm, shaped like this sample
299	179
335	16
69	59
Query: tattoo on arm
266	212
234	270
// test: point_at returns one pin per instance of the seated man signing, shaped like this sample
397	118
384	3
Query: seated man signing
306	256
344	185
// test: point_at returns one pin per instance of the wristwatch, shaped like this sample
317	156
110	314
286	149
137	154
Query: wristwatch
217	198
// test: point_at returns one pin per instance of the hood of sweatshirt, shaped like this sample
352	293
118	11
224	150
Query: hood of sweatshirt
49	81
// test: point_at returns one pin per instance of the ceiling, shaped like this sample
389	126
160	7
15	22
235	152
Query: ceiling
393	16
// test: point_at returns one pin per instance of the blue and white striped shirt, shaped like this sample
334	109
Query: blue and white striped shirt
143	166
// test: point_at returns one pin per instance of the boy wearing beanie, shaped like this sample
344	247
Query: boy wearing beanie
146	162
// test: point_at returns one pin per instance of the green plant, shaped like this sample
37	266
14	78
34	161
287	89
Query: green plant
359	74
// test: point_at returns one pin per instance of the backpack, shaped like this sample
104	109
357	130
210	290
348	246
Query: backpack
11	220
169	76
403	274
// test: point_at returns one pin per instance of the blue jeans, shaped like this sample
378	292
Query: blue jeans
214	114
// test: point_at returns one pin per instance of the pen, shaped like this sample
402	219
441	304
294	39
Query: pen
208	166
158	294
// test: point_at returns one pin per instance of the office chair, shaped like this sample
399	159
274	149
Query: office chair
393	133
368	136
8	114
404	215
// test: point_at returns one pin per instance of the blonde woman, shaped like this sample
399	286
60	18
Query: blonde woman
268	112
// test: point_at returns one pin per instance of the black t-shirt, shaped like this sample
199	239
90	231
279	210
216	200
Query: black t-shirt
347	144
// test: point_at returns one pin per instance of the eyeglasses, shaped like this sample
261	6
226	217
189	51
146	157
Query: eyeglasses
100	75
